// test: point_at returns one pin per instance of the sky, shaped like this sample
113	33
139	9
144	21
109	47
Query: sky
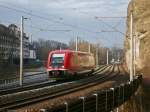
64	20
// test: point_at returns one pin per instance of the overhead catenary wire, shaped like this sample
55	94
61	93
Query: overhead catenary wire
24	9
114	28
46	18
44	29
51	20
108	17
40	28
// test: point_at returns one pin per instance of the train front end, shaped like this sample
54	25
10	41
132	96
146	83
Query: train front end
56	66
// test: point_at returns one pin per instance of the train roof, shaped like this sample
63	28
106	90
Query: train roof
67	51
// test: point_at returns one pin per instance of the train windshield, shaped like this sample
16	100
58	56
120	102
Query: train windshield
57	60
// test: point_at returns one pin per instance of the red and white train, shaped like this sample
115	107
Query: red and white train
67	63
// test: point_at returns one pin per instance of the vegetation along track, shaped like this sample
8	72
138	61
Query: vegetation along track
42	84
32	97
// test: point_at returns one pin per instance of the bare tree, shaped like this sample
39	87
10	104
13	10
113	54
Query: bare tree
43	47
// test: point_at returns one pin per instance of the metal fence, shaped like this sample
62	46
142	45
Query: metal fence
101	101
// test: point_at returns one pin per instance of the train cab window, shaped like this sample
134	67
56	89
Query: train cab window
57	60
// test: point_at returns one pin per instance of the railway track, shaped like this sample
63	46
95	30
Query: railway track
42	84
102	75
14	81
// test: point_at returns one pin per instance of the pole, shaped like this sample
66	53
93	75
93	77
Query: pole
131	47
134	68
118	56
96	107
83	99
21	52
89	48
76	43
66	103
31	39
107	57
96	56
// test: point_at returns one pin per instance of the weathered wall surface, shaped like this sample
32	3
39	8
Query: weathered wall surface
141	29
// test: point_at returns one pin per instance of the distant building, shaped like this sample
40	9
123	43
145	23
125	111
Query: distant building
26	51
10	43
32	52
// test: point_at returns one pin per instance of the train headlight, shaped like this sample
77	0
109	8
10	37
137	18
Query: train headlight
62	66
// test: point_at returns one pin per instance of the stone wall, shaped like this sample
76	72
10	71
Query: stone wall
141	29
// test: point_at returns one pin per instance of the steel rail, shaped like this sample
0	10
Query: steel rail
87	84
17	77
40	85
107	100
